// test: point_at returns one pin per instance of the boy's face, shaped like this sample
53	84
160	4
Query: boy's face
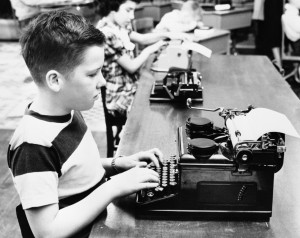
81	88
125	13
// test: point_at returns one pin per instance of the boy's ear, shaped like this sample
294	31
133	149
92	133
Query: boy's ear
54	80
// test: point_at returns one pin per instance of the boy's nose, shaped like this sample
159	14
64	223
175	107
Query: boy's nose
101	82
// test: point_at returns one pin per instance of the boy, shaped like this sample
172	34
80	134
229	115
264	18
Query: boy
52	155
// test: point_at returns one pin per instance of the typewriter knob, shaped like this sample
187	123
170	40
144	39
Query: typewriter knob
244	155
202	148
198	126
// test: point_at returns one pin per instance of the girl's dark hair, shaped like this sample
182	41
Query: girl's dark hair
57	40
106	6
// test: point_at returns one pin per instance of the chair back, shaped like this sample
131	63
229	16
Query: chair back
112	139
23	223
143	25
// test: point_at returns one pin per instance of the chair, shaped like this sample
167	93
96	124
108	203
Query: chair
288	54
176	4
23	223
142	25
111	122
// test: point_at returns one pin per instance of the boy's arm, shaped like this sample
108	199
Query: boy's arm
49	221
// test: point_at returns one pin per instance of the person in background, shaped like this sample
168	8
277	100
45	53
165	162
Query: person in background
273	29
121	66
258	23
188	18
268	30
52	155
26	10
291	24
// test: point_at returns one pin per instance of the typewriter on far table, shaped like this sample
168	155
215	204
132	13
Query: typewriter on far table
221	172
176	80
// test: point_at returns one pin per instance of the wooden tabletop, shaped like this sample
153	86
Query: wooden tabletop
236	18
218	40
231	11
230	82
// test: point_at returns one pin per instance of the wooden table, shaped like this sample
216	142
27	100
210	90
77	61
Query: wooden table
238	17
229	81
217	40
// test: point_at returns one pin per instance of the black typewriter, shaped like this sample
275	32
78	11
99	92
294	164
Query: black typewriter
178	85
176	79
214	178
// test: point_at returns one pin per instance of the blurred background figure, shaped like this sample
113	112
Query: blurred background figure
186	19
268	30
291	24
26	10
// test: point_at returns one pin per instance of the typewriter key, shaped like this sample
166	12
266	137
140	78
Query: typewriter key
202	148
150	194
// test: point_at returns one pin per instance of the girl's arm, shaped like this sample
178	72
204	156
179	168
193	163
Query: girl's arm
132	65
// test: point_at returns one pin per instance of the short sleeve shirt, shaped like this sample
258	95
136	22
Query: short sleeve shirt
120	85
53	158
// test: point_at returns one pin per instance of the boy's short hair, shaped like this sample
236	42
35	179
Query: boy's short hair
106	6
57	40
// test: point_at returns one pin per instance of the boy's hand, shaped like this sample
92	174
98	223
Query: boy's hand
133	180
140	159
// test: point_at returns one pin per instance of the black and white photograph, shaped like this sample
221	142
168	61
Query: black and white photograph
150	118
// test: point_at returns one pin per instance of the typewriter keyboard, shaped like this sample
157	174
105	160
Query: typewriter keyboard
168	185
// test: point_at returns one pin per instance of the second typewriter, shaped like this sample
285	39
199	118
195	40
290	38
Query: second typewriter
176	79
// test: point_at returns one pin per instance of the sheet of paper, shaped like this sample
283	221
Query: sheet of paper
258	122
201	49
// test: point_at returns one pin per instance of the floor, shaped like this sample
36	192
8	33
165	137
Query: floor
15	92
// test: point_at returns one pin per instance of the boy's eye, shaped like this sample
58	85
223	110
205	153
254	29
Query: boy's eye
92	75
